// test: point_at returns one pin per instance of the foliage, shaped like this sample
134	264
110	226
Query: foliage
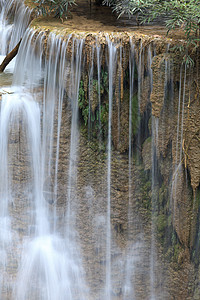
130	7
182	14
178	12
83	103
99	118
104	115
55	8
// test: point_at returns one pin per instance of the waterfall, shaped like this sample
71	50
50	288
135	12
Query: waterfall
140	74
155	126
46	267
10	34
129	285
80	149
98	53
91	88
50	263
112	58
178	164
48	253
73	94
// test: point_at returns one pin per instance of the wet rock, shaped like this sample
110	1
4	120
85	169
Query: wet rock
147	154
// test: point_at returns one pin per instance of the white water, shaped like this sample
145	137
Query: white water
49	263
57	273
10	34
153	258
98	53
112	64
132	251
178	165
47	267
91	89
140	75
73	95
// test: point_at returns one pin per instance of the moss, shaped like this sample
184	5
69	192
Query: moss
176	252
148	140
198	197
135	115
98	123
146	195
169	220
196	246
83	103
94	114
31	4
161	225
104	115
163	199
104	81
144	189
95	145
147	154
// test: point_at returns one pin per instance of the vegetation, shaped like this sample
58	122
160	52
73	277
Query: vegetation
182	14
55	8
97	118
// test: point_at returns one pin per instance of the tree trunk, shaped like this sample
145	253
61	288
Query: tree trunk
9	57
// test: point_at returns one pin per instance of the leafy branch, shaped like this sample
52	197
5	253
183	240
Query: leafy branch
182	14
55	8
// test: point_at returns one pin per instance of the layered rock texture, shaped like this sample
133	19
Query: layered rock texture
164	140
155	163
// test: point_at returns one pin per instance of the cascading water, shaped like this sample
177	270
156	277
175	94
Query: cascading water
10	34
91	71
112	57
98	54
48	259
70	224
129	285
49	263
178	168
155	124
46	268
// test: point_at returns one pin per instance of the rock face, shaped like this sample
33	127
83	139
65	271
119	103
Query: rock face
175	105
155	163
155	119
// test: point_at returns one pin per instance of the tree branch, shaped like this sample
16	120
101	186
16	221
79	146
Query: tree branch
9	57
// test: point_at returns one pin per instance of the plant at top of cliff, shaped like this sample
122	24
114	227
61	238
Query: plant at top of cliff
55	8
133	7
182	14
179	13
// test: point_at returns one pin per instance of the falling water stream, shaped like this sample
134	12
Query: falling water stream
70	228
